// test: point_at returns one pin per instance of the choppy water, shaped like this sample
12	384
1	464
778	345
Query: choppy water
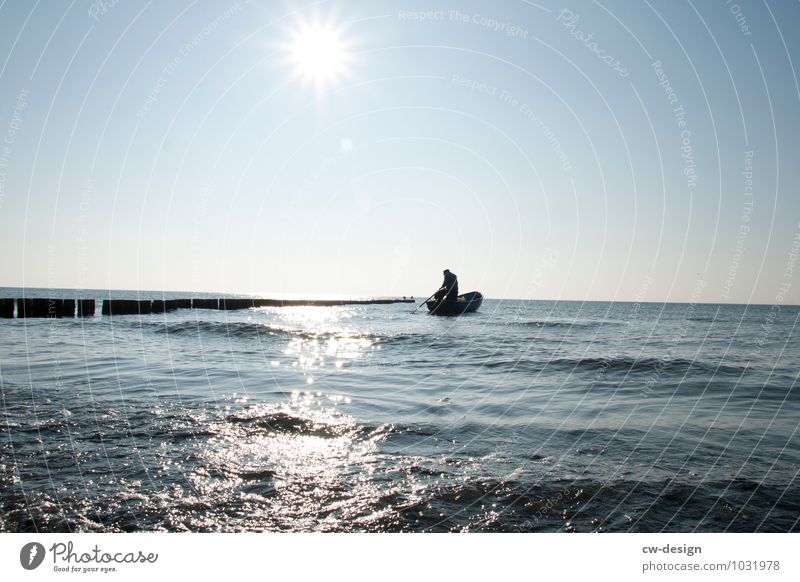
525	416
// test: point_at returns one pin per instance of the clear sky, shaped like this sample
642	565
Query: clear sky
574	150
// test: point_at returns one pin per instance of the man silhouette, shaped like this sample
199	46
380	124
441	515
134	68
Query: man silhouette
449	288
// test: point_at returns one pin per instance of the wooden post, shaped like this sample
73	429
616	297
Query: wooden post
164	305
126	307
230	303
6	308
33	307
85	307
68	308
53	307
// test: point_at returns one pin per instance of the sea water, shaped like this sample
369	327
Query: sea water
524	416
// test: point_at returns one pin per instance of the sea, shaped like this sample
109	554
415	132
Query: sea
526	416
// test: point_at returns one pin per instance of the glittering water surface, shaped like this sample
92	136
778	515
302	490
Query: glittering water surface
525	416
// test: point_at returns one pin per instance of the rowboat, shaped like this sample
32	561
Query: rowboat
466	303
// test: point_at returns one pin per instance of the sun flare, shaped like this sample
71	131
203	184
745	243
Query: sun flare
318	53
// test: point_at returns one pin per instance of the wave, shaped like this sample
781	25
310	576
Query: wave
259	422
563	324
256	474
248	330
502	362
413	339
649	364
594	505
284	423
404	488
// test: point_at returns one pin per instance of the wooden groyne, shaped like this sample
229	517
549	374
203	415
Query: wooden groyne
70	308
45	307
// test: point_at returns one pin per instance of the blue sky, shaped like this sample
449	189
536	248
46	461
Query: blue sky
574	150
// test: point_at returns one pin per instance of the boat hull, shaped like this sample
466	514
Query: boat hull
466	303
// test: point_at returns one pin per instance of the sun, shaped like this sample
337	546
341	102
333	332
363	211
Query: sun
319	54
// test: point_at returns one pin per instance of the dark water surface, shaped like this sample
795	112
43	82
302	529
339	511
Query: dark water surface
526	416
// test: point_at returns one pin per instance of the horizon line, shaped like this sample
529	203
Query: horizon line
341	296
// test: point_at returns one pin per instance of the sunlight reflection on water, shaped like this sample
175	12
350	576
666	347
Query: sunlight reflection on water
319	338
303	459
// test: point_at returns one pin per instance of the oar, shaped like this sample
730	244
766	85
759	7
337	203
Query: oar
424	302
